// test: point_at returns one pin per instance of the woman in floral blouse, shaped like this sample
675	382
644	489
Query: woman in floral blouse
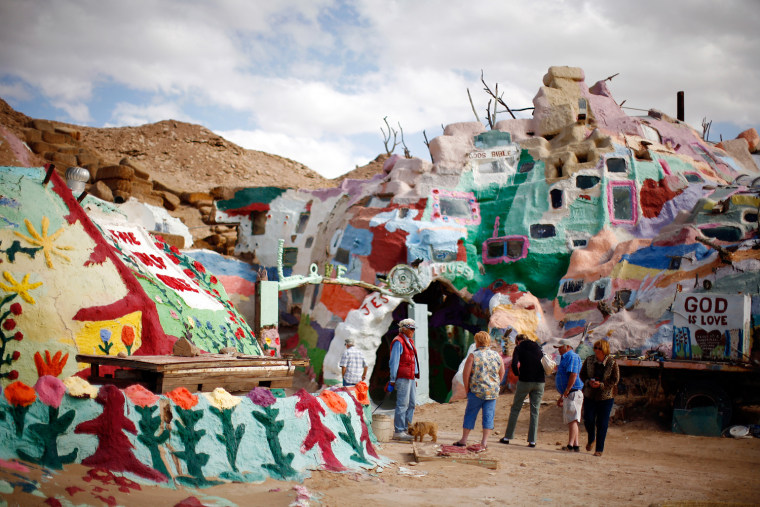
600	374
482	376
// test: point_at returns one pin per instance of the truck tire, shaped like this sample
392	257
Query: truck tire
699	394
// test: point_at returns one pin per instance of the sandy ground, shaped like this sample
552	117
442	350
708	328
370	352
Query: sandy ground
643	464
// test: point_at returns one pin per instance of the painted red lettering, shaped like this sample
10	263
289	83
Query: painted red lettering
126	237
175	283
374	303
690	304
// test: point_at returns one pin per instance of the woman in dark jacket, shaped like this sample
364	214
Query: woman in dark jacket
601	374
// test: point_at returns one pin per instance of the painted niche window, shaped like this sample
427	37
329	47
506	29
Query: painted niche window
576	239
616	165
461	207
309	242
651	133
289	257
621	202
693	177
542	231
555	196
750	216
675	263
442	255
572	286
379	201
586	181
258	222
723	233
623	297
498	165
497	249
526	167
599	289
504	249
303	220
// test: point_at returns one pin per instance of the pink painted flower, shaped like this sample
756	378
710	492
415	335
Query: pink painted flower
213	279
50	390
197	265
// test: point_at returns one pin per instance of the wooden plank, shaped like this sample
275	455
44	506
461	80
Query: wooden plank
164	363
420	455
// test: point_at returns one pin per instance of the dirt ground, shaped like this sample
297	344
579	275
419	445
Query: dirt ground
643	464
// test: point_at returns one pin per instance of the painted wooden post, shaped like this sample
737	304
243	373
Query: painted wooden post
419	313
267	306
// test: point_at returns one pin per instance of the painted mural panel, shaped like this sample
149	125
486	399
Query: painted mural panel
711	326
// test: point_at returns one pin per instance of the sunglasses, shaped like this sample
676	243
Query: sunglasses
598	348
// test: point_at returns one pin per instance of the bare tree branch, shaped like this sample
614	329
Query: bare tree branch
387	137
427	143
407	153
496	96
610	77
472	105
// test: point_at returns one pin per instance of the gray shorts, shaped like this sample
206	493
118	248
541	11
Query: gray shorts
571	407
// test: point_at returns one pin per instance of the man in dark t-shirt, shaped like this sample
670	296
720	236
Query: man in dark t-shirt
526	364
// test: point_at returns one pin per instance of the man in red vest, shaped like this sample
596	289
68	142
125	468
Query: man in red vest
405	369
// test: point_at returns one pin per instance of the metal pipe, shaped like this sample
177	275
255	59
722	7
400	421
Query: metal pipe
680	106
50	168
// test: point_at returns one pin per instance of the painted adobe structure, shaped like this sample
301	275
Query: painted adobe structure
83	280
581	217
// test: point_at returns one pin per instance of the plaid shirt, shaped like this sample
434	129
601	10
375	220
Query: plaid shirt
354	361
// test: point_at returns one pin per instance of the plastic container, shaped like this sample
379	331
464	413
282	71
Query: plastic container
382	427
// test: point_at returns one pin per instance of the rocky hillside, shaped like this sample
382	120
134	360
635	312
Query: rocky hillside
178	165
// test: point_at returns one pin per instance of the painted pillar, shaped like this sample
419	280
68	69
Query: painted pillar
267	307
419	313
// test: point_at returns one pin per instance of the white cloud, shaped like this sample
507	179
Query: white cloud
330	158
17	91
323	71
125	114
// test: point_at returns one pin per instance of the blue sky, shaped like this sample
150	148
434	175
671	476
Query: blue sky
312	80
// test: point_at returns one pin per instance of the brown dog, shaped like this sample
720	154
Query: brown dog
420	429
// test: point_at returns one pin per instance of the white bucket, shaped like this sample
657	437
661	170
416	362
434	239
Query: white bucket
382	427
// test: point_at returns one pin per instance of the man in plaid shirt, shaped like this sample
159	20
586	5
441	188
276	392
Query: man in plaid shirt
352	364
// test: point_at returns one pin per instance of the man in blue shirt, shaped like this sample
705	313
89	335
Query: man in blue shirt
570	388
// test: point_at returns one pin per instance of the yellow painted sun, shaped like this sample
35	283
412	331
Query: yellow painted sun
47	243
21	288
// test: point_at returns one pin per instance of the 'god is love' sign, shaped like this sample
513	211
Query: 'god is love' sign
711	326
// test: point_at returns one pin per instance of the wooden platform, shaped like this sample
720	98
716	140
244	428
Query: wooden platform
204	373
428	451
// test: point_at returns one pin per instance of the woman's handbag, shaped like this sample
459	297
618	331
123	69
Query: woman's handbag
548	363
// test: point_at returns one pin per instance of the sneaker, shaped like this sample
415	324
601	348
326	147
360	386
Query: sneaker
504	440
531	444
403	436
